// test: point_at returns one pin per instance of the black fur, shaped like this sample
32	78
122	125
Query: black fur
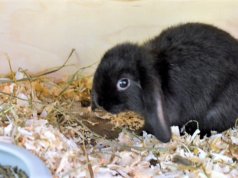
188	72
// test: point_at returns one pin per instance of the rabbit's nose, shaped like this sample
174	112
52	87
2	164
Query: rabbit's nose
97	105
94	104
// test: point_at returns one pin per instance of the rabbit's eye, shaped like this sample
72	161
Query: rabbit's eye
123	84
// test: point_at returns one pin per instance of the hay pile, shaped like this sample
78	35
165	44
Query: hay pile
54	121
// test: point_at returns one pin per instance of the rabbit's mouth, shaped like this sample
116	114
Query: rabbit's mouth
103	104
115	109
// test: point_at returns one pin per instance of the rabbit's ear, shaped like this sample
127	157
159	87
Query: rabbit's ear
157	121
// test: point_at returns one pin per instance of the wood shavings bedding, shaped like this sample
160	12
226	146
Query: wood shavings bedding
38	116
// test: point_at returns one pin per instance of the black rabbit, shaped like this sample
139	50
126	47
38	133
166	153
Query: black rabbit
188	72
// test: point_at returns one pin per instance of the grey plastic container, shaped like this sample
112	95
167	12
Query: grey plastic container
15	156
